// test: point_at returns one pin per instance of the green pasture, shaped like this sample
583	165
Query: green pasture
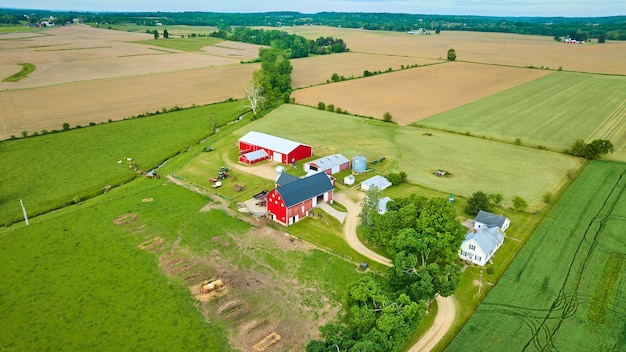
552	112
75	280
564	290
56	169
476	164
186	44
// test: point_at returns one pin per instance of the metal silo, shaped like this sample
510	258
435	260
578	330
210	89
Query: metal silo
359	164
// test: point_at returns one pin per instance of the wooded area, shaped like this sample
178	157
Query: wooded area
613	27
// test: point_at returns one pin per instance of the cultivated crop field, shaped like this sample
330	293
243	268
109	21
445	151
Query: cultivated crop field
552	111
52	170
565	290
417	93
476	164
494	48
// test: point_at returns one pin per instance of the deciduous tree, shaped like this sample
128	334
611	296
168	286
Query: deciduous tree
477	202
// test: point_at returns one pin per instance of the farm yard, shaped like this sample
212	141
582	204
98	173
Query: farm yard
415	94
565	289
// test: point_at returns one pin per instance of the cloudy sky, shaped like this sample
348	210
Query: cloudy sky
565	8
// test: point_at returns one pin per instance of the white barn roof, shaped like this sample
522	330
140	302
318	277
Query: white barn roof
281	145
380	182
328	162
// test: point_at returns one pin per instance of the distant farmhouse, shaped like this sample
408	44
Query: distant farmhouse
377	181
293	198
482	242
256	146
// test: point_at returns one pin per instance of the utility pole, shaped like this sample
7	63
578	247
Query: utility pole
24	211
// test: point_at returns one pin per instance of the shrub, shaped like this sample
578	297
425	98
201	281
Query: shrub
321	105
66	126
387	117
330	107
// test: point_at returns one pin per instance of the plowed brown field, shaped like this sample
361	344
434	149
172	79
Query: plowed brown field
495	48
318	69
414	94
85	74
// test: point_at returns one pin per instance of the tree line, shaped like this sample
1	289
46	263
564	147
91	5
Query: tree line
296	45
613	27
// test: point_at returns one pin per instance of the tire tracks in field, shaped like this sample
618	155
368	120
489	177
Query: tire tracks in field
544	324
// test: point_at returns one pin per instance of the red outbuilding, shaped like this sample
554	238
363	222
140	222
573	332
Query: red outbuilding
293	198
278	149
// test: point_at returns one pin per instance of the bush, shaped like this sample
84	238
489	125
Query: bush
387	117
66	126
321	105
330	107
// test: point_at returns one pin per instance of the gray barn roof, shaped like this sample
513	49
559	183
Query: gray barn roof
487	238
268	141
305	188
256	155
286	178
490	219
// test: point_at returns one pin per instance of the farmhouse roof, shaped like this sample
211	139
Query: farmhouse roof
490	219
256	155
382	205
487	238
305	188
328	162
268	141
379	181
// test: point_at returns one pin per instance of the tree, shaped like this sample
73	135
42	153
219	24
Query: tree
598	148
602	38
519	203
166	34
387	117
578	148
66	126
254	94
155	33
495	199
395	179
321	105
451	55
369	205
547	197
477	202
593	150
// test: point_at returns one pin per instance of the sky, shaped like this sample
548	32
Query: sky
534	8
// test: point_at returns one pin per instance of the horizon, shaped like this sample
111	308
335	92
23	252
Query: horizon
487	8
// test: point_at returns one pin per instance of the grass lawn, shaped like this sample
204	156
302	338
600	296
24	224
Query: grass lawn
49	171
476	164
563	289
552	111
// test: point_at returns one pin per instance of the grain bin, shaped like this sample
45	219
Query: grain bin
359	164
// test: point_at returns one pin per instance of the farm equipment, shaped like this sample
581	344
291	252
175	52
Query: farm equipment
374	162
217	184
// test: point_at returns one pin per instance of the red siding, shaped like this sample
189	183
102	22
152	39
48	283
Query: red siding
299	153
276	206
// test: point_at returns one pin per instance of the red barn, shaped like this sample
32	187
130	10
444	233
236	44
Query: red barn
277	149
293	198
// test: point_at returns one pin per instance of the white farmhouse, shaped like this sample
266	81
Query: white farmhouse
480	244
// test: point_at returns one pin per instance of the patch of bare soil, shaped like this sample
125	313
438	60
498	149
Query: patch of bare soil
126	219
263	308
147	200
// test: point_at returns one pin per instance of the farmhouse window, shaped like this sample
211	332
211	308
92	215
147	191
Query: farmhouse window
472	247
478	258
